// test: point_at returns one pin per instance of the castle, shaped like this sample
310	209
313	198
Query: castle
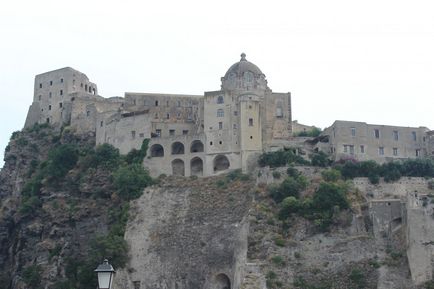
189	134
207	134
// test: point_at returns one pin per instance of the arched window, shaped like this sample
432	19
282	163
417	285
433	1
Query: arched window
157	150
196	165
178	168
221	163
177	148
221	281
196	146
220	99
220	112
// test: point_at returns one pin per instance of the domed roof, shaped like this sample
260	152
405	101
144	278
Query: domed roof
242	66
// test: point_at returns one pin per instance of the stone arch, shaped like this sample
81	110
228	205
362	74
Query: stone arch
196	166
177	148
221	281
178	168
221	163
157	150
196	146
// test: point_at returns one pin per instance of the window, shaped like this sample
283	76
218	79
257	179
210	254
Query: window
40	97
60	104
418	152
210	143
158	132
73	82
220	125
235	113
220	112
395	135
279	112
413	135
395	151
362	149
81	85
142	135
49	107
133	134
235	126
40	85
185	132
167	103
381	151
61	80
101	124
349	149
353	131
61	92
250	121
377	133
85	87
167	116
220	142
49	94
220	99
51	82
48	120
156	103
251	137
88	113
178	103
171	132
156	115
145	103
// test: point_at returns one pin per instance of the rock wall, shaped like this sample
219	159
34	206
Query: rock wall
187	234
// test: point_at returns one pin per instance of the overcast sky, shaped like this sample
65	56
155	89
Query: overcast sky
370	60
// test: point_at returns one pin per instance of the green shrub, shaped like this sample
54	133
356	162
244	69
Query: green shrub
289	206
292	172
276	175
279	241
32	276
320	159
137	156
329	195
130	180
271	275
61	160
280	158
331	175
21	142
30	205
358	278
289	187
278	260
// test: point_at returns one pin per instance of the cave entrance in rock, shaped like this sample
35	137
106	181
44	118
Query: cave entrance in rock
157	150
178	168
177	148
221	163
196	165
196	146
221	281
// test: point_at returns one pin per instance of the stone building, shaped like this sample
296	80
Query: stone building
189	134
362	141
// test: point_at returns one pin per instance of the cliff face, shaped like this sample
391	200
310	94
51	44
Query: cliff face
40	236
188	234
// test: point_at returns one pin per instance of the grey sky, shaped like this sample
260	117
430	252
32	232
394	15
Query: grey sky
369	60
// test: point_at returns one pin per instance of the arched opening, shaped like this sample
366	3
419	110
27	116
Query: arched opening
177	148
221	281
157	150
221	163
196	165
178	168
196	146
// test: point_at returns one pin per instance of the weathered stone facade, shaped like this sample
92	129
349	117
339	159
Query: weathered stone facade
190	134
362	141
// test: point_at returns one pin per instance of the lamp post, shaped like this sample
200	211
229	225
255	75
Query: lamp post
105	274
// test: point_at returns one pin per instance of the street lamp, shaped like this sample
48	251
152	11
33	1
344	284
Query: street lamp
105	273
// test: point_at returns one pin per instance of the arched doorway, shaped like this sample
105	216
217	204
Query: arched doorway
196	165
177	148
178	168
157	150
221	163
196	146
221	281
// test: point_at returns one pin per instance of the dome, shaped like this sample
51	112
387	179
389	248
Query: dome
244	76
242	66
